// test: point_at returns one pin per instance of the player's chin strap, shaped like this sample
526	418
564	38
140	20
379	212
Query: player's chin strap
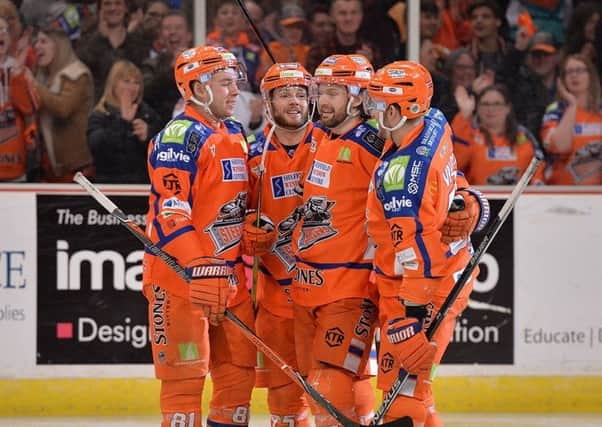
171	262
399	124
206	105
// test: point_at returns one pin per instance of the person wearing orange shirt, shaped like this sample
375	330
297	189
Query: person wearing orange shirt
17	108
230	32
411	190
199	184
279	155
490	146
290	47
572	127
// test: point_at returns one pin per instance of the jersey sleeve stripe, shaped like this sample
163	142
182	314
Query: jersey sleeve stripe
167	239
423	251
333	265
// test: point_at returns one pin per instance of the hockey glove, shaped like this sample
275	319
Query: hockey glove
257	241
471	214
210	286
414	351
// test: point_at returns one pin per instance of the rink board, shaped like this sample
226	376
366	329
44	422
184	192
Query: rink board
74	332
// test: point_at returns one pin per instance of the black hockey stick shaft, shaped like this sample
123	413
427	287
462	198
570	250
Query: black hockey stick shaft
256	30
492	230
105	202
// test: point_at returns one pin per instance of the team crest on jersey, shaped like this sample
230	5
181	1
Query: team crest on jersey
234	169
508	175
501	153
317	224
284	185
320	174
226	230
282	248
586	162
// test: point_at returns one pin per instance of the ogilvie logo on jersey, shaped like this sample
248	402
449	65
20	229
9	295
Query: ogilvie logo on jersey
397	204
309	276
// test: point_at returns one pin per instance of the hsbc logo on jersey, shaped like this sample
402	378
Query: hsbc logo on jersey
284	185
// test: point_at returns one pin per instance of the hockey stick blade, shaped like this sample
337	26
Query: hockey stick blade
105	202
492	230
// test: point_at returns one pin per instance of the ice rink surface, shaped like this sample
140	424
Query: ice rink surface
451	420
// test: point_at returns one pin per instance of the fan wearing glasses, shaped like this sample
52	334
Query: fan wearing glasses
572	126
490	146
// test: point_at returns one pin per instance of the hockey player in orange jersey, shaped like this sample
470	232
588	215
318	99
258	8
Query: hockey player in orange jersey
335	314
277	157
199	184
412	188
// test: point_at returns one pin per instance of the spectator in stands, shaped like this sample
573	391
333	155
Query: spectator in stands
490	146
121	126
17	108
321	26
230	32
65	88
154	11
529	72
160	90
431	57
549	16
437	25
488	47
290	47
384	35
461	68
572	126
581	34
347	16
109	42
19	35
66	17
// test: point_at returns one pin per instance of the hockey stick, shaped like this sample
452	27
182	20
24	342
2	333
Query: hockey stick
492	231
112	208
256	30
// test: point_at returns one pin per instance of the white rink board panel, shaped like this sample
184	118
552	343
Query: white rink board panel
17	284
558	288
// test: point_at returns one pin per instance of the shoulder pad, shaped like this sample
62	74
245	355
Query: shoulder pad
368	137
185	134
256	143
320	126
233	126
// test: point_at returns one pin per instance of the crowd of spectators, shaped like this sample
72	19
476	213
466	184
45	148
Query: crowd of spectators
86	84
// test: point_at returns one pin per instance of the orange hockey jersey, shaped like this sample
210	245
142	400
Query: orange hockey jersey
582	164
332	248
17	105
499	164
199	184
281	203
410	194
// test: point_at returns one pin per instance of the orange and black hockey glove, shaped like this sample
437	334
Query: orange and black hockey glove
413	350
257	241
471	214
210	286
